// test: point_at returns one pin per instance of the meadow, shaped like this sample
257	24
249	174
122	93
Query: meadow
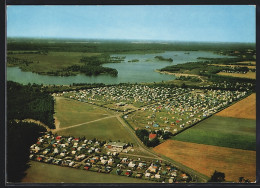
222	131
71	112
51	62
108	129
206	159
245	108
48	173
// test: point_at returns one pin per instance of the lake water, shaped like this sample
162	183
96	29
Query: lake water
132	72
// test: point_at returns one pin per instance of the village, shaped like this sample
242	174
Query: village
103	157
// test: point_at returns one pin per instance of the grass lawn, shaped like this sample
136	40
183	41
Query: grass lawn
48	173
108	129
206	159
72	112
222	131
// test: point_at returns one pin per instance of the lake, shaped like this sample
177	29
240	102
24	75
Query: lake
128	72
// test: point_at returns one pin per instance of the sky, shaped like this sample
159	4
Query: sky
205	23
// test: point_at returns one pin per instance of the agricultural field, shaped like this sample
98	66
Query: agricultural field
107	129
222	131
248	62
251	75
206	159
245	108
248	66
48	173
72	112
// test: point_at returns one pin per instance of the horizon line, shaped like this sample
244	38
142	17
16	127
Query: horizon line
121	39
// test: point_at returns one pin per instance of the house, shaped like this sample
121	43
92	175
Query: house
103	161
116	145
147	175
39	158
131	165
139	175
128	173
71	163
58	137
152	136
124	160
110	161
156	125
184	176
171	180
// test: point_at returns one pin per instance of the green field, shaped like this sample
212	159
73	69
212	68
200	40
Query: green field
72	112
108	129
222	131
53	61
47	173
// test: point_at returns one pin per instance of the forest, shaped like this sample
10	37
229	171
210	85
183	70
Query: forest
118	46
27	101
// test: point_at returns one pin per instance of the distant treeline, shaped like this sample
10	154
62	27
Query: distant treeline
70	45
28	101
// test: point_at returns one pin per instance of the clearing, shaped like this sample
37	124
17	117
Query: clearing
245	108
48	173
222	131
206	159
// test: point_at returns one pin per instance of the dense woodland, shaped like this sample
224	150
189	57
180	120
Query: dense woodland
92	66
27	101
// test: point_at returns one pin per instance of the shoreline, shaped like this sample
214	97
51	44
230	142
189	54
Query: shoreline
179	74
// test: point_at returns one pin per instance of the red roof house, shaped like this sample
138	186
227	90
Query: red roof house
152	136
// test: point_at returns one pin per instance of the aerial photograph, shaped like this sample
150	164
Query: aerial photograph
130	94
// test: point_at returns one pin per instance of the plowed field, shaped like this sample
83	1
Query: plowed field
245	108
206	159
